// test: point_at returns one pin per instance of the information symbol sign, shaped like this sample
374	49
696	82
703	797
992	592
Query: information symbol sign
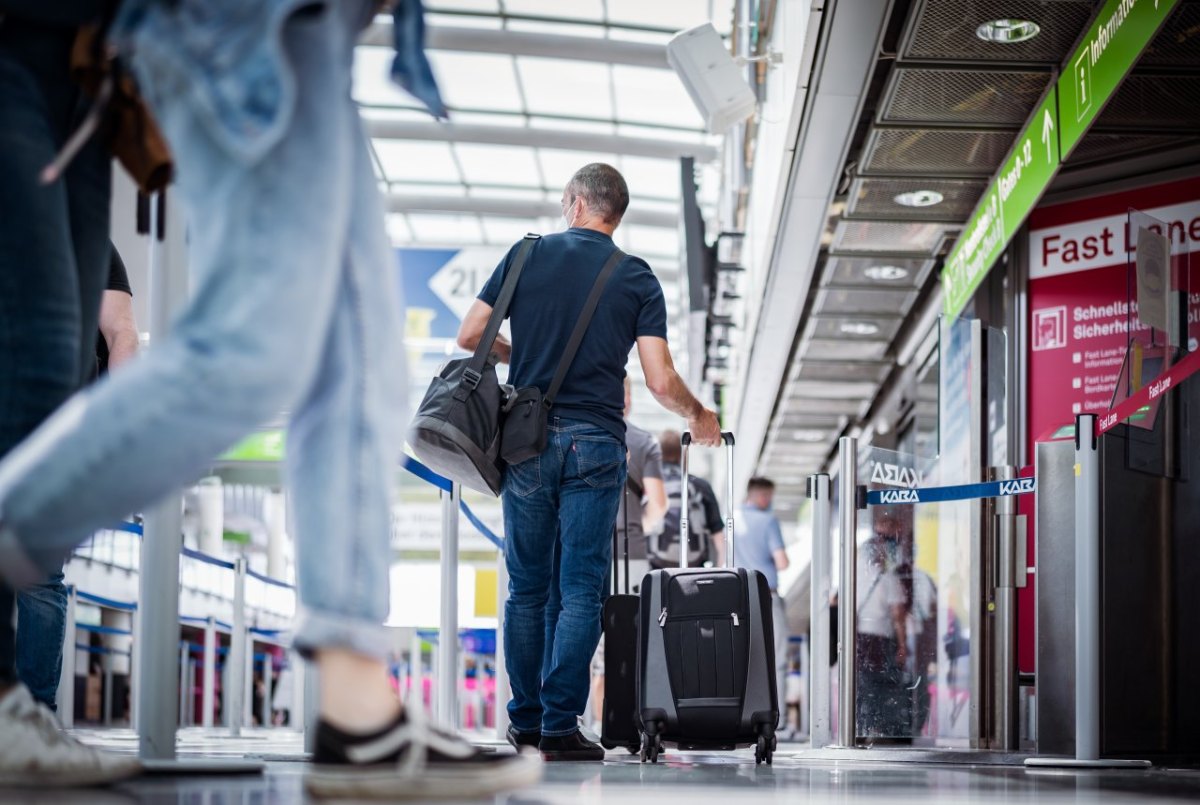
1083	85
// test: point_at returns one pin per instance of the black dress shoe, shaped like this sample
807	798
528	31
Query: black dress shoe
570	747
519	739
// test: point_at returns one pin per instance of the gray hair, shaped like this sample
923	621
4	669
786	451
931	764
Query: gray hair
603	188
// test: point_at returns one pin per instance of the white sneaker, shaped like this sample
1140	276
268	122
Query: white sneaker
35	752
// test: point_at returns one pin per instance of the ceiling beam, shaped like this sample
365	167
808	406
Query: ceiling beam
512	208
521	136
529	43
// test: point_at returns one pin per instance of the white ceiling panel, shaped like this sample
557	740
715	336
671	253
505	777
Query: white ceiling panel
416	161
564	87
655	178
446	229
498	164
652	240
672	14
645	95
559	166
575	9
486	6
482	81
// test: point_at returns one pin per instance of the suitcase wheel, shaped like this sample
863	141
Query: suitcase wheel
651	748
764	750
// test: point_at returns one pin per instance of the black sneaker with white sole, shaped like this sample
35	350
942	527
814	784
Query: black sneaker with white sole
412	759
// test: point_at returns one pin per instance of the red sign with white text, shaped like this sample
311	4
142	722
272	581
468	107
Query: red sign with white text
1079	296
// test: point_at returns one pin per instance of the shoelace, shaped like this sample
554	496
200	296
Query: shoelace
420	736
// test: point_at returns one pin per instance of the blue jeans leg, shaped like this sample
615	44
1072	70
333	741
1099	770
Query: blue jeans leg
531	532
41	627
589	494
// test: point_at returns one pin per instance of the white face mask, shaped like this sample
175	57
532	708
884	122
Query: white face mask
569	214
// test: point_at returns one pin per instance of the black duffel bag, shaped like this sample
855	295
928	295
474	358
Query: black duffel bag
456	431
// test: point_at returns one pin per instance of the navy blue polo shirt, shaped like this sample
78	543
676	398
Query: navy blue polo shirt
555	282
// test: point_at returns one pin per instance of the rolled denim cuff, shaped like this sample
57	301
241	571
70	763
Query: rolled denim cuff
17	568
328	630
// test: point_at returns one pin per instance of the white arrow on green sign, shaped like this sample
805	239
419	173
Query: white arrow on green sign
1010	196
1091	75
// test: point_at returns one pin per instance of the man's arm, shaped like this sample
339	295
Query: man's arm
778	551
672	393
655	506
781	559
471	331
118	327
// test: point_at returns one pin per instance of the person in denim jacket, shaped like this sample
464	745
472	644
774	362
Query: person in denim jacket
294	308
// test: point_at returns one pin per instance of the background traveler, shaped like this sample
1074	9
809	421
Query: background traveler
705	511
645	495
760	547
560	507
885	705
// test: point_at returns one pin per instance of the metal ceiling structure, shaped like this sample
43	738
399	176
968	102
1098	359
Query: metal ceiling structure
537	89
927	106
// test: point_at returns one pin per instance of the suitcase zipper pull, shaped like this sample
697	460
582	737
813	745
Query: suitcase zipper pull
662	617
735	619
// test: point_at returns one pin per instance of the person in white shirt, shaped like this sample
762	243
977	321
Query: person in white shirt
882	637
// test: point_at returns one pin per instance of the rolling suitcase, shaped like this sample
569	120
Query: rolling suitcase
620	723
706	652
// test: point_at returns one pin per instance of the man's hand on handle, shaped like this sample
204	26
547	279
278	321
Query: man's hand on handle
705	428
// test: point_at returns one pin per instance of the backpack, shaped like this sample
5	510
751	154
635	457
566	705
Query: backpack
663	549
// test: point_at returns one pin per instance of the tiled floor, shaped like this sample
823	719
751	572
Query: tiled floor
691	778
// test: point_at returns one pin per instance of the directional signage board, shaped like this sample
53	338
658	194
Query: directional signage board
1110	48
1011	195
1090	76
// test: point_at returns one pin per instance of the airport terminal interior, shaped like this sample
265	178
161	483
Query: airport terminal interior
929	261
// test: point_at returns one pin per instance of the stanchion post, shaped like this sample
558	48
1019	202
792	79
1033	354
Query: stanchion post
235	661
312	702
1087	607
268	671
819	703
248	683
848	590
158	597
1006	716
502	692
66	682
447	682
208	693
185	685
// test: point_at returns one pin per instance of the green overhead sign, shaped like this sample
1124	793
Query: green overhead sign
267	445
1108	51
1111	47
1009	198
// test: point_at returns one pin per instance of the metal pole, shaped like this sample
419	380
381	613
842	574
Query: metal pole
730	500
819	704
1006	715
1087	589
208	693
248	684
312	701
502	692
189	719
684	523
185	685
848	593
417	691
66	682
235	661
268	671
158	597
158	579
106	661
447	681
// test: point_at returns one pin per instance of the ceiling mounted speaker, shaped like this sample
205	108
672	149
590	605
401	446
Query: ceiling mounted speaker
711	76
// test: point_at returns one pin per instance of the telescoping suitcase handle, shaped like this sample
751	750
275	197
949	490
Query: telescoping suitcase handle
686	440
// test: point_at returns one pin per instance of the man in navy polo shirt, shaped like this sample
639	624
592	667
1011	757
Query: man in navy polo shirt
559	508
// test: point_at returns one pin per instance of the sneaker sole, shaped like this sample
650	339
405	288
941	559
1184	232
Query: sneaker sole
443	781
69	779
589	755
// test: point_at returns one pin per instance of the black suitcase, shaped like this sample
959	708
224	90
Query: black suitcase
706	653
619	727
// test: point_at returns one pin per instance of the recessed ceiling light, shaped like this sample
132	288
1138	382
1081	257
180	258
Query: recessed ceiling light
808	435
919	198
885	273
1008	31
859	327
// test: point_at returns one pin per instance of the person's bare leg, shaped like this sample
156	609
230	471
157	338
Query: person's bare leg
355	694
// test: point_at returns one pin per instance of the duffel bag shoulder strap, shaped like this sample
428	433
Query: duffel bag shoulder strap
581	326
474	371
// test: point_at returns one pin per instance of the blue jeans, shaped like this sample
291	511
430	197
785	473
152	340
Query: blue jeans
559	511
54	259
294	308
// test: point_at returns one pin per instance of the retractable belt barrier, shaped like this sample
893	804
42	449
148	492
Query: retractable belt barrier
941	494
